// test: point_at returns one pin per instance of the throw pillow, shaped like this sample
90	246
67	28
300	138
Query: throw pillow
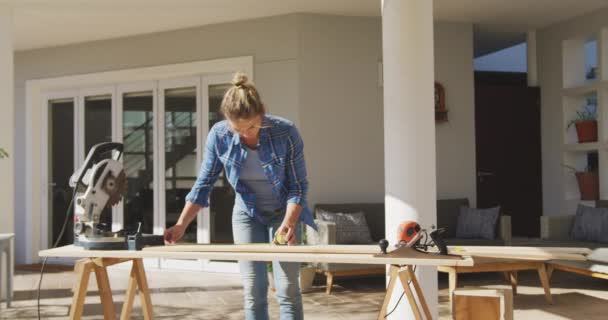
477	223
351	228
590	224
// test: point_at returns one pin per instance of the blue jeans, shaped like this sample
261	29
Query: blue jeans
254	274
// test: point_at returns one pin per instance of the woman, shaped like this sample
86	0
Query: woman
264	161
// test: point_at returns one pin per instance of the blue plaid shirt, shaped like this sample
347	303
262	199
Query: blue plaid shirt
281	152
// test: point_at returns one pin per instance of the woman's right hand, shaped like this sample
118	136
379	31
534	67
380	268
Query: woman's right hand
173	234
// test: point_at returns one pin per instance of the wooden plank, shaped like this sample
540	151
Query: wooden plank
330	249
105	293
419	259
524	253
528	256
83	270
519	249
127	306
269	248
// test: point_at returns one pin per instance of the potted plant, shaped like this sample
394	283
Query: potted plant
588	182
3	153
586	122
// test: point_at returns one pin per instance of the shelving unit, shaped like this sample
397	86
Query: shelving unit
585	80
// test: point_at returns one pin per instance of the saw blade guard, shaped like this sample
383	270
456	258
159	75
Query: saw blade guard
100	183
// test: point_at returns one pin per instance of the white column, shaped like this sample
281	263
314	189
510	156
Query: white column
7	127
532	65
409	129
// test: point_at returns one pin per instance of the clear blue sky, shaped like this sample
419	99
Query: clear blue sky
514	59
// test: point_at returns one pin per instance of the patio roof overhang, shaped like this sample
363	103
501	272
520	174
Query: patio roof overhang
42	23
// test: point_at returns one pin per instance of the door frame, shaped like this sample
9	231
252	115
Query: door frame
37	93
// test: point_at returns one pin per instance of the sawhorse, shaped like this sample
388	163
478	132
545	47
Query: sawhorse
137	280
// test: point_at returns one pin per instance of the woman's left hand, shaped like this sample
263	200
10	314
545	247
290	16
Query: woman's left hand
289	230
288	227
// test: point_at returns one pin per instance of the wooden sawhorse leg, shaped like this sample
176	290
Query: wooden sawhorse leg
544	280
83	269
137	279
407	277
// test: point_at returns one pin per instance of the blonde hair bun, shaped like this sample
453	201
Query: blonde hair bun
239	79
242	101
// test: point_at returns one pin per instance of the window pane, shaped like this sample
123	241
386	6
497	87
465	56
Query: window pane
180	153
138	160
61	167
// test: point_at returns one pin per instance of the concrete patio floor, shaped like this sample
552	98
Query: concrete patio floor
200	295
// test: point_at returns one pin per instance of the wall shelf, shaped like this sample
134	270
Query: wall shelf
585	89
584	85
581	147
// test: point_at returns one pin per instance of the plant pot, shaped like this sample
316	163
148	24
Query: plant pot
588	185
307	275
586	131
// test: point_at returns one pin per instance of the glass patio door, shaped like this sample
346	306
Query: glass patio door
61	163
163	126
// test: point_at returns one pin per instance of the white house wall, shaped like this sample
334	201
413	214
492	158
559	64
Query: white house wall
341	108
456	164
320	71
342	115
549	46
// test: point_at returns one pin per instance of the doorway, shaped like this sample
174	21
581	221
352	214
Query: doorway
508	151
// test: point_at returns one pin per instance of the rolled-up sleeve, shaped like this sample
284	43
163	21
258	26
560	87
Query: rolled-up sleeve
297	182
211	167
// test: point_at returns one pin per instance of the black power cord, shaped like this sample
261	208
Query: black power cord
68	214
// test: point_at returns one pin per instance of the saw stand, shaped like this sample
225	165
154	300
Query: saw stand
406	275
137	280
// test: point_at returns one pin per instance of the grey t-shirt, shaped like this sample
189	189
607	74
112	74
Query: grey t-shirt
252	175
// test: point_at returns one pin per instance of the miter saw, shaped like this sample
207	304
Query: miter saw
101	183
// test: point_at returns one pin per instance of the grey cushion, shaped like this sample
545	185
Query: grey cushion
477	223
374	215
590	224
351	228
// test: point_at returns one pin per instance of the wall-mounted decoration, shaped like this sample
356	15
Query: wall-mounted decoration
441	112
